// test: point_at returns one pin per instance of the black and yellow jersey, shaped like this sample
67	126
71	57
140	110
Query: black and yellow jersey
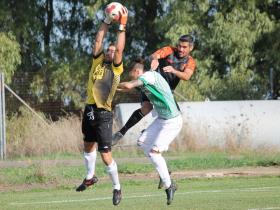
103	81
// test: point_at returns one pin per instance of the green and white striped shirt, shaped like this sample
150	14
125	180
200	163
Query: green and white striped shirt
159	93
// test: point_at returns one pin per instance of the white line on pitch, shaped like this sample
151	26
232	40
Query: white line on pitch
256	189
267	208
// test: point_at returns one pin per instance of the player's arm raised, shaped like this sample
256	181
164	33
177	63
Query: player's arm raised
98	43
160	53
121	36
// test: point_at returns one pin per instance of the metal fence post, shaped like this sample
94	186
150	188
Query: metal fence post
2	118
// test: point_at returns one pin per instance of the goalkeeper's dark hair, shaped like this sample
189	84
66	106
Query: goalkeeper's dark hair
111	44
187	38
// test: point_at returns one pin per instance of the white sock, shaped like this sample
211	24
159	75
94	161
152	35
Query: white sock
161	167
90	159
112	170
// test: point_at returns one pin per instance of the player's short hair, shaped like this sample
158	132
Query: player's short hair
138	63
187	38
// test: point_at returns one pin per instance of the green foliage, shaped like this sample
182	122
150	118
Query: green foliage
228	34
9	55
267	52
237	43
67	83
234	34
55	38
184	17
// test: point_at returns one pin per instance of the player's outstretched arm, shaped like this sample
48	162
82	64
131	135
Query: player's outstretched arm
126	86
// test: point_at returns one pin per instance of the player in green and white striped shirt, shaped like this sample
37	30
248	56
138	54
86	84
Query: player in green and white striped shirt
163	130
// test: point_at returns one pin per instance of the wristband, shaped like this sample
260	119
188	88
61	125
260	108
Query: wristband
122	27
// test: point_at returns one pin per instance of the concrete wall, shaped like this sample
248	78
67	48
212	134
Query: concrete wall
217	123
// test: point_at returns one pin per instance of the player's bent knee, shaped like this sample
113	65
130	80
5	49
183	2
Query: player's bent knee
155	150
145	149
139	143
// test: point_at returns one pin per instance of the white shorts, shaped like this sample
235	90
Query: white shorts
160	134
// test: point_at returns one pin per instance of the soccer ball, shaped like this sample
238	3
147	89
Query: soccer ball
113	11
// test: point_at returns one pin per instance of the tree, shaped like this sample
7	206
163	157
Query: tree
267	54
228	32
55	41
267	48
9	55
53	36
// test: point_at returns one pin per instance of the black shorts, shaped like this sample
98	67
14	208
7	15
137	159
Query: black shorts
97	127
143	97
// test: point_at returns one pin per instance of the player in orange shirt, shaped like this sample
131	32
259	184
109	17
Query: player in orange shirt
175	63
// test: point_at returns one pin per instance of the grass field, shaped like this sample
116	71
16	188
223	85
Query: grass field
72	167
49	183
219	193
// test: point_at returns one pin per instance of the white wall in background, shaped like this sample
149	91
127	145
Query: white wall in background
254	123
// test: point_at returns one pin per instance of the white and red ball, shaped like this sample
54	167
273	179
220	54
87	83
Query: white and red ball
113	10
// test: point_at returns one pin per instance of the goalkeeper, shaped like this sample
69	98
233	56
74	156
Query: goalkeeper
102	84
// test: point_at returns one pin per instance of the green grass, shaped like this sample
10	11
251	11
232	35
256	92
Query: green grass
223	160
216	194
38	172
203	193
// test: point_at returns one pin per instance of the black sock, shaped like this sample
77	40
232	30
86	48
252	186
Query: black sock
133	120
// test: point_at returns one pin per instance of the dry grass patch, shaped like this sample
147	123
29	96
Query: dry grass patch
27	135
